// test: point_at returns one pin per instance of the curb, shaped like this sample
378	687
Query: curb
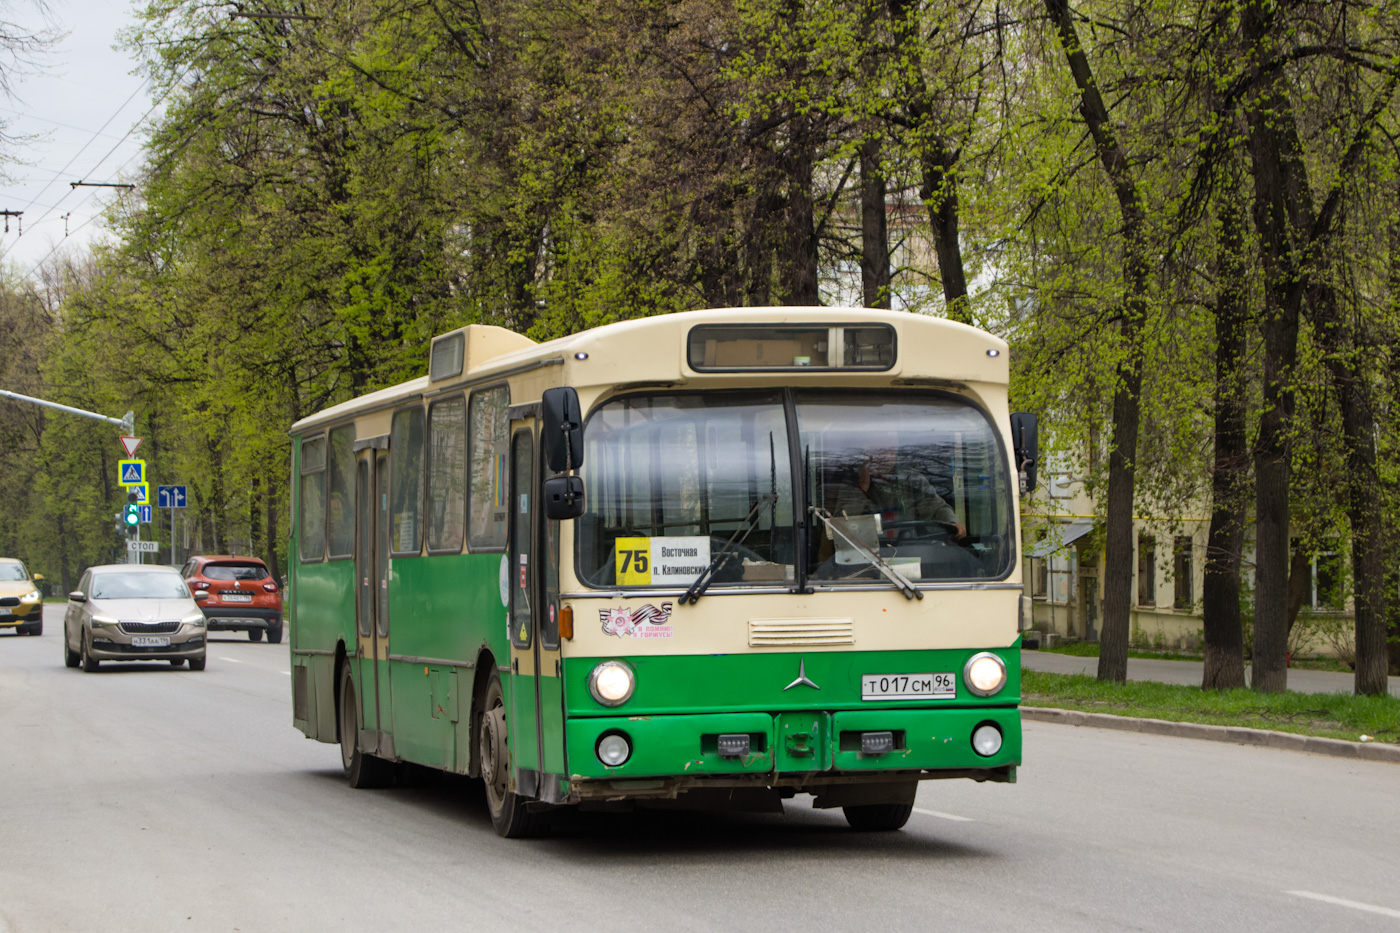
1364	751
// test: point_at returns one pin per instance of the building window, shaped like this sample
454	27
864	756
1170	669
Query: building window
1327	581
1147	571
1182	572
1040	577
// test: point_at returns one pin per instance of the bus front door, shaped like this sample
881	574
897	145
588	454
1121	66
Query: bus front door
372	599
535	707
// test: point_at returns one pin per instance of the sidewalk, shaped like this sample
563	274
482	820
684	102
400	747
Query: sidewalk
1190	672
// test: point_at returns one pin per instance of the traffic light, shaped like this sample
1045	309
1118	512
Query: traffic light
132	516
120	526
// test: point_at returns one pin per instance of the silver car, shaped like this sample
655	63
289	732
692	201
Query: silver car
132	612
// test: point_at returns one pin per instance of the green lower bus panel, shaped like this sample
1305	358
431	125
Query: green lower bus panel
671	745
924	738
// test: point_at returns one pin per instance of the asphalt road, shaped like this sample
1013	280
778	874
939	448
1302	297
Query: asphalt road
144	798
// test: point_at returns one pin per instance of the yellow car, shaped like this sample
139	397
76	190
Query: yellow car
21	603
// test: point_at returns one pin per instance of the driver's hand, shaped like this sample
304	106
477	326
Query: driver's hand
962	532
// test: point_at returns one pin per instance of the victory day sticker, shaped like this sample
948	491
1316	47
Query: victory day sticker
643	622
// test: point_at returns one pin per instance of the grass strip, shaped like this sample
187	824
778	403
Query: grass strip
1329	715
1090	649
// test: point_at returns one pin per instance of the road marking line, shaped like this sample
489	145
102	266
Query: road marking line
945	816
234	660
1343	902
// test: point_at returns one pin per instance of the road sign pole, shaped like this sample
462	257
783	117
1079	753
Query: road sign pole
172	530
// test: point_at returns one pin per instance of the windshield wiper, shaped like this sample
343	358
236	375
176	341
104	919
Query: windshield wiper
703	581
909	590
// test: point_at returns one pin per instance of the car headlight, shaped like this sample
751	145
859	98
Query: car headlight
103	620
33	597
194	618
984	674
612	683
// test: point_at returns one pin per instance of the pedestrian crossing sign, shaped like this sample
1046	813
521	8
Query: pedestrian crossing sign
131	472
142	492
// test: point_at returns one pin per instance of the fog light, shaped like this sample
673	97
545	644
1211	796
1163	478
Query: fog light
985	674
733	745
986	740
876	743
614	749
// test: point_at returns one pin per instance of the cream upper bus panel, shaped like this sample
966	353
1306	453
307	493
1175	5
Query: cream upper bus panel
458	354
371	412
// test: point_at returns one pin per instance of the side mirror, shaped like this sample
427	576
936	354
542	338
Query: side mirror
36	577
1025	446
561	430
563	497
77	596
201	596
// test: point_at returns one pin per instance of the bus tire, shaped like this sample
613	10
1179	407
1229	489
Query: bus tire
509	813
878	817
361	769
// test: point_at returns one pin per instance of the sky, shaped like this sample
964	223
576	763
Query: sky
85	111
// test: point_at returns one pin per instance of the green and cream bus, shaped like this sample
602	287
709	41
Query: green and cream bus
712	558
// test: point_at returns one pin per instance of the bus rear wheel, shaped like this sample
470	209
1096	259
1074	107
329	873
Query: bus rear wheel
509	812
878	817
361	769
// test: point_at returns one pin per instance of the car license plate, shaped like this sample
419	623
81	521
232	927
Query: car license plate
237	597
150	641
4	613
908	686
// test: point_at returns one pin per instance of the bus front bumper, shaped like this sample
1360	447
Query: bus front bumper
797	750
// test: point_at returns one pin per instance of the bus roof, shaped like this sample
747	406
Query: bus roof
653	350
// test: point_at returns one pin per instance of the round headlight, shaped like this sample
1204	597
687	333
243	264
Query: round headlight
614	749
984	674
986	740
612	683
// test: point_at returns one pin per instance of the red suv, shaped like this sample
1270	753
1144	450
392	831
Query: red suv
243	597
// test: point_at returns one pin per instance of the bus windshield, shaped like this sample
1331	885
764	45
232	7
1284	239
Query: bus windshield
915	481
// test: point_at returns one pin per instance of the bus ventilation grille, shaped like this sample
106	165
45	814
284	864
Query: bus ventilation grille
800	633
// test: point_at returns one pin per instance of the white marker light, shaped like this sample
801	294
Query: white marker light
986	740
613	749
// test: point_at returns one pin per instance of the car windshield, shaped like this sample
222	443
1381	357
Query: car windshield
232	571
139	586
916	481
12	572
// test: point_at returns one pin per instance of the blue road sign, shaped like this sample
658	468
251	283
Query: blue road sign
170	497
145	511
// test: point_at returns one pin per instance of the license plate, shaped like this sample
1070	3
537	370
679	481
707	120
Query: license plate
236	597
908	686
150	641
4	613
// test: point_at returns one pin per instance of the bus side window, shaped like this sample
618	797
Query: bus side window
311	499
340	501
406	482
489	439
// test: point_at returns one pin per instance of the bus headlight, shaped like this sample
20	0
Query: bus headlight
984	674
612	683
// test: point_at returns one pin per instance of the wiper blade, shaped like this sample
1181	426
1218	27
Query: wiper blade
837	527
703	581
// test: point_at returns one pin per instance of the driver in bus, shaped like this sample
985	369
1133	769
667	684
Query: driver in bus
895	493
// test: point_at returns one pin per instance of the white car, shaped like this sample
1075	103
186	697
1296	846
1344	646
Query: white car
133	612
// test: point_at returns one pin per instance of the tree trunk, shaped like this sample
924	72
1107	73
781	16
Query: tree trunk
1344	347
1220	597
1122	459
874	229
798	268
272	563
1283	218
939	191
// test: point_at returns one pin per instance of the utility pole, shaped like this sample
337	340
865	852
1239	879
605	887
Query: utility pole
18	215
125	422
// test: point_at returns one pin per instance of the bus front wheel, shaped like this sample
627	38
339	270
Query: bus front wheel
878	817
509	813
361	769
